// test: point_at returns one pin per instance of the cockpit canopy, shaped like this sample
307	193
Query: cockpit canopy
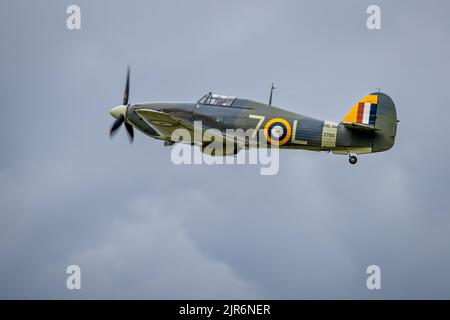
217	100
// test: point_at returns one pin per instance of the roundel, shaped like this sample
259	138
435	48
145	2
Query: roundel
277	131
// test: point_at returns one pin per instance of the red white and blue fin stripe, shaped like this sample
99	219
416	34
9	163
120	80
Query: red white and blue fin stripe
364	112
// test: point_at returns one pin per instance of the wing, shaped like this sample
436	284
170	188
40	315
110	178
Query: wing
164	123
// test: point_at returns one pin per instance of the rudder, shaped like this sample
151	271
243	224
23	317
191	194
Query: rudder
386	123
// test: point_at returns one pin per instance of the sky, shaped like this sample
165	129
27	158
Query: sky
141	227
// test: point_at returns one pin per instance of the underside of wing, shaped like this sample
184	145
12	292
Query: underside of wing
163	123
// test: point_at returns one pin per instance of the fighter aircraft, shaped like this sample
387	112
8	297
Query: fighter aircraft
370	125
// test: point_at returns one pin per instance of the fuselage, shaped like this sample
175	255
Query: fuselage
290	130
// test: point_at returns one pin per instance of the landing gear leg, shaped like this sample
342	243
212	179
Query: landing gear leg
352	158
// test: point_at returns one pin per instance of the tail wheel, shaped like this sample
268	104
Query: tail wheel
352	159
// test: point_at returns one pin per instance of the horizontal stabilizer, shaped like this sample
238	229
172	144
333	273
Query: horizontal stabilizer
360	126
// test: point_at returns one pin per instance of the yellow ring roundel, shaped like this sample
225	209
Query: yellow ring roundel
277	131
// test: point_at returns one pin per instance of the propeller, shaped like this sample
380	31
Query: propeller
127	88
119	112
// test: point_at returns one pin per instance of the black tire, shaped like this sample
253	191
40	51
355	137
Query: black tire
352	159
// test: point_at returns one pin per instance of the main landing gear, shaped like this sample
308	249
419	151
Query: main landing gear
352	158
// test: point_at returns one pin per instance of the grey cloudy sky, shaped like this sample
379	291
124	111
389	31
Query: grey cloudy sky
141	227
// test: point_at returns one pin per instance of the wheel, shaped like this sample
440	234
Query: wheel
352	159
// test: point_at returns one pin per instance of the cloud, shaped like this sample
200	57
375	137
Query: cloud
141	227
147	254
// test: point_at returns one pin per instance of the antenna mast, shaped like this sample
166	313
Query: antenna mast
271	94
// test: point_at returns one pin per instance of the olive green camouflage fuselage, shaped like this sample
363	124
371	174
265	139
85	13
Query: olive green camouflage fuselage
300	132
